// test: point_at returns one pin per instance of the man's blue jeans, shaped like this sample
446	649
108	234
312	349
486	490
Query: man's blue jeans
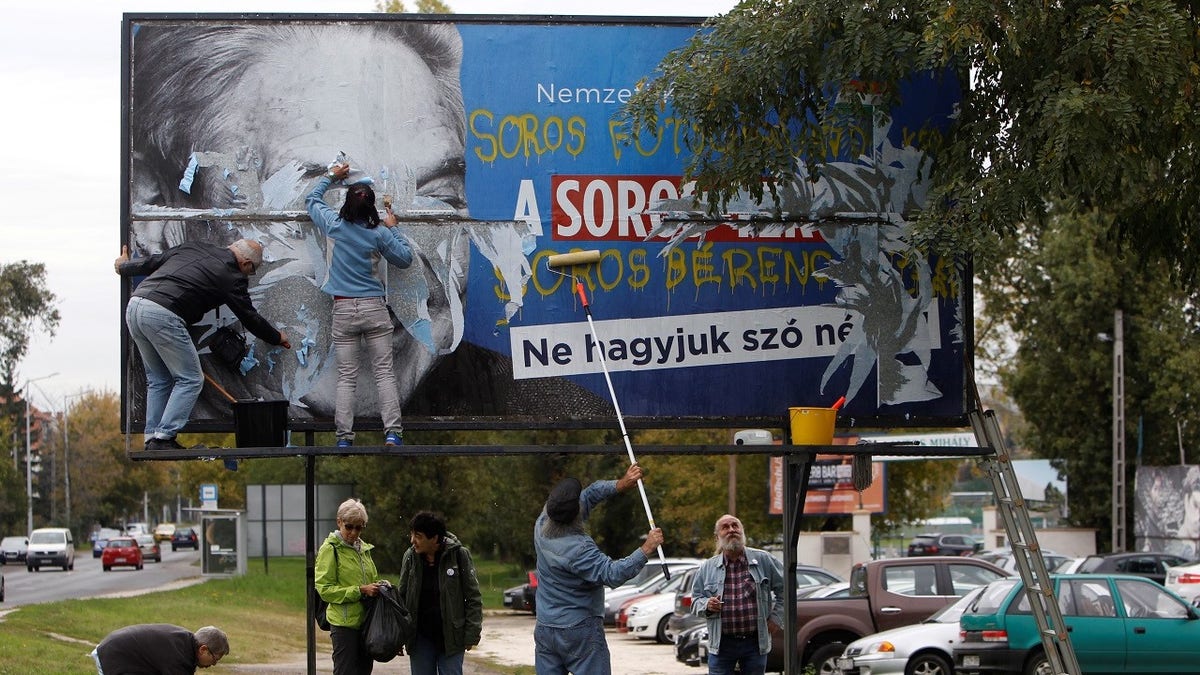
578	649
173	375
424	659
733	652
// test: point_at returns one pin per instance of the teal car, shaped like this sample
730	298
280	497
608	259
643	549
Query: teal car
1117	624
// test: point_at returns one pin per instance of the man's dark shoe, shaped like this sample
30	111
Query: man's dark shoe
163	444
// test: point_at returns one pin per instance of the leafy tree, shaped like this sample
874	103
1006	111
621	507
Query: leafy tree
916	490
1083	104
25	303
1058	291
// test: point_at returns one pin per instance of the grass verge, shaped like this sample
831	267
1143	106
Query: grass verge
262	614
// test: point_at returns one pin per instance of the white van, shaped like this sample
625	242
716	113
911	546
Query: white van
134	529
51	546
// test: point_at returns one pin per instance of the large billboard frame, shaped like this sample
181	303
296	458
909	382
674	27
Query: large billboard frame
212	412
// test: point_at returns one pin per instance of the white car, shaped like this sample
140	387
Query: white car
648	618
1184	581
925	648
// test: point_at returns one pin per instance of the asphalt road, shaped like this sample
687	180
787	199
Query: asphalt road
89	580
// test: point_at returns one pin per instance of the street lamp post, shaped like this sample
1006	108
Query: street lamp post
29	456
1118	433
67	450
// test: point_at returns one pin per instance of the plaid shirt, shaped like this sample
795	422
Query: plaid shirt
739	611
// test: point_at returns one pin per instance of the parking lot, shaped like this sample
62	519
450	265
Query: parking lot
508	641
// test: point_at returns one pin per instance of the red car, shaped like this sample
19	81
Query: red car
121	551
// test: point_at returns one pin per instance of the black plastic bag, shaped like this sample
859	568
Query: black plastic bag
228	345
319	610
388	625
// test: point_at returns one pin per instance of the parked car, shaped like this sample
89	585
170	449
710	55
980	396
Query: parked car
1118	624
647	616
100	539
884	594
149	546
1004	557
50	546
807	577
654	568
687	644
185	537
937	543
920	649
121	552
1184	581
164	531
614	597
838	589
523	598
1150	565
13	550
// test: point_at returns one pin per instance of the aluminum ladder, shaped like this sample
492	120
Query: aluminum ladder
1021	538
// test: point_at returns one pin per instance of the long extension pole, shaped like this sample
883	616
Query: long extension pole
620	420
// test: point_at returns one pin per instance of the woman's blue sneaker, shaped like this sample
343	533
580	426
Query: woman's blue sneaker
393	438
345	443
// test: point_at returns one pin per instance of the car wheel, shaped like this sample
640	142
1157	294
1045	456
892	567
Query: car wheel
108	568
29	568
660	635
173	548
928	664
1038	664
824	660
139	566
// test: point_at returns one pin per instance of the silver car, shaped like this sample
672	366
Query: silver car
920	649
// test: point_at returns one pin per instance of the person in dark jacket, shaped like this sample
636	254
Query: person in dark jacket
344	574
159	648
184	283
438	583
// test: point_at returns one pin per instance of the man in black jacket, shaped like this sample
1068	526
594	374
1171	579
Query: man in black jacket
184	283
159	648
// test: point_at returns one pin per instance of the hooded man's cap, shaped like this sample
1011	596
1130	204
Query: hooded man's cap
563	504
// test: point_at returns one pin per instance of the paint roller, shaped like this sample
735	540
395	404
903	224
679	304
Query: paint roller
578	258
573	258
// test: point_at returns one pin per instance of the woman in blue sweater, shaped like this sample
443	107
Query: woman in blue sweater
355	244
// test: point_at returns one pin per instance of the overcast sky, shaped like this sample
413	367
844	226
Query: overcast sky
59	174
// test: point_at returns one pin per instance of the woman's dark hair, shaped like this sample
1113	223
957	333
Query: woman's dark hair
359	206
429	524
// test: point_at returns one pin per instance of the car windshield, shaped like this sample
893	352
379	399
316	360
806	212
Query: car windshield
950	613
47	538
993	595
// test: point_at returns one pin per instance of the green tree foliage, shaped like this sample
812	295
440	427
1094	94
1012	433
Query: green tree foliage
916	490
1058	290
25	303
1083	104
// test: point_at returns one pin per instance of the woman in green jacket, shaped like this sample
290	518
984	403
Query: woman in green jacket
345	574
437	580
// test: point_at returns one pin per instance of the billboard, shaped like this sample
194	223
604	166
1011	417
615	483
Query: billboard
500	142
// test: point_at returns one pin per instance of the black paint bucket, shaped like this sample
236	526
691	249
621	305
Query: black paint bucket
260	424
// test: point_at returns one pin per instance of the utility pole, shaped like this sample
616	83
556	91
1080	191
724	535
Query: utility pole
1118	433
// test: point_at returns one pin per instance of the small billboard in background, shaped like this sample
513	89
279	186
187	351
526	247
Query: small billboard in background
500	140
830	488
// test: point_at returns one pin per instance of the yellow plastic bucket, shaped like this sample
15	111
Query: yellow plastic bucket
812	426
